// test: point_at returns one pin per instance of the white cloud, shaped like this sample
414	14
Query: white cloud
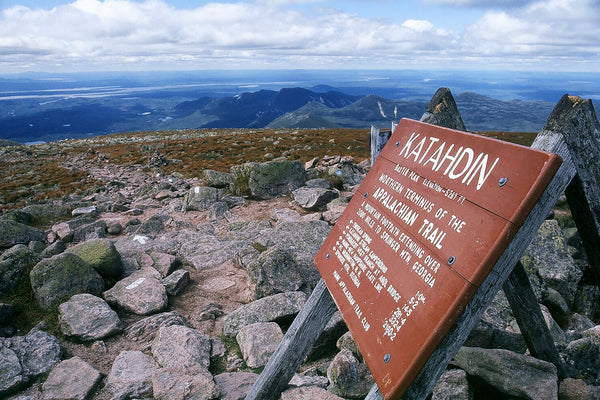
543	31
123	34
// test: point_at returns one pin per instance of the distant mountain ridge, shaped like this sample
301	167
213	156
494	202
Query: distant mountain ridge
21	120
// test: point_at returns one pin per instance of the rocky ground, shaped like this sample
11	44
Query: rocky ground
156	285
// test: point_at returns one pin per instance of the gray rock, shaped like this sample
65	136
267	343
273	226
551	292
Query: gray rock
582	358
163	262
138	293
558	307
587	301
548	256
66	229
258	342
88	317
267	309
452	385
93	230
218	210
442	111
302	380
555	330
23	358
235	385
147	328
152	226
44	213
178	346
511	373
303	239
349	378
285	214
12	233
54	280
15	264
131	376
486	335
267	180
318	183
71	379
578	322
176	282
36	246
55	248
314	198
174	384
84	211
102	255
308	393
200	198
216	179
577	389
274	271
11	373
335	328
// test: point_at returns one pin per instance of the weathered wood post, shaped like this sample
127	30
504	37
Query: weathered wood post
378	139
577	121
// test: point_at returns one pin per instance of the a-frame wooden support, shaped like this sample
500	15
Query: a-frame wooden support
507	273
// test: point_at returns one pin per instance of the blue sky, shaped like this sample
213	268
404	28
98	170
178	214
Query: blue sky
94	35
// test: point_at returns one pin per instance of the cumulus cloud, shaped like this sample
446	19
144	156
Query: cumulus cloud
244	34
124	34
544	31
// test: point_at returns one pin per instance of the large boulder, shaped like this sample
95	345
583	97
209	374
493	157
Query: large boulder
201	198
49	212
15	265
54	280
548	257
178	346
582	358
25	357
173	384
349	377
101	255
314	198
88	317
138	293
267	180
216	179
274	271
511	373
71	379
131	375
258	342
267	309
12	233
235	385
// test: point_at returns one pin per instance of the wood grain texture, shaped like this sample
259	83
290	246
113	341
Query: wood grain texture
531	321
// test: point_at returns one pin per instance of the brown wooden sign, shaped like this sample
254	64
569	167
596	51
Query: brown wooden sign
422	232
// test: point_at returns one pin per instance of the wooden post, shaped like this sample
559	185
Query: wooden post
378	140
530	318
579	125
296	344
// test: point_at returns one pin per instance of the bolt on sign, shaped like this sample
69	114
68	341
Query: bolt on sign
420	235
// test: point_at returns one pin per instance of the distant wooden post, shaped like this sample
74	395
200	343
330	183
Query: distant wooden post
378	139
